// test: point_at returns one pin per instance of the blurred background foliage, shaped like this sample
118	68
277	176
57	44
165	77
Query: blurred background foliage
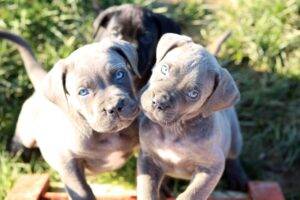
262	54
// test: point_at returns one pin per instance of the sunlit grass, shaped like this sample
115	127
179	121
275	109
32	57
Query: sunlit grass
264	59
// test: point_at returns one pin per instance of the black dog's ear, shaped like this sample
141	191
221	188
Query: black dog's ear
165	25
103	18
54	87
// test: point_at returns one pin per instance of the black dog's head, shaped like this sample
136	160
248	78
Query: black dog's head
137	25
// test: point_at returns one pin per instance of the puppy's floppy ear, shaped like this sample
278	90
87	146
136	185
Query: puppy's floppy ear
225	92
103	18
54	86
129	53
168	42
165	25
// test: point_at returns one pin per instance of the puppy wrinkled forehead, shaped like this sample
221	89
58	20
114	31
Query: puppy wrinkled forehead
97	55
188	58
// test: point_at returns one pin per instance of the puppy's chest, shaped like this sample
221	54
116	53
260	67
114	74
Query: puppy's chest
178	156
170	151
110	154
174	158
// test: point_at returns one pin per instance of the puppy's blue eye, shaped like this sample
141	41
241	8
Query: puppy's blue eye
119	74
83	92
115	33
193	94
164	69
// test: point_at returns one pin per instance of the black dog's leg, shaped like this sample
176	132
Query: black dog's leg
235	175
15	146
165	191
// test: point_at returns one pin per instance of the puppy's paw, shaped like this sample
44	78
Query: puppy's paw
235	175
182	196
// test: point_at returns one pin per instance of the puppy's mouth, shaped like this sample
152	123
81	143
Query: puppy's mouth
116	123
112	126
134	111
163	118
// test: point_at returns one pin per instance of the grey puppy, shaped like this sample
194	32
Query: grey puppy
190	126
82	113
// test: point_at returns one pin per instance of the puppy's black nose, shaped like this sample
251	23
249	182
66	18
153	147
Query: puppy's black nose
115	108
120	105
161	102
159	105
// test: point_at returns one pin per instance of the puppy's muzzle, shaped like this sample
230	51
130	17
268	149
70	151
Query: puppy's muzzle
115	108
162	101
120	107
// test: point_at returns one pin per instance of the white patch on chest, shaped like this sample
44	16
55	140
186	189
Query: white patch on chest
115	159
169	155
112	161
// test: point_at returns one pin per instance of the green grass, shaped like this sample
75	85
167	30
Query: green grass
263	56
265	32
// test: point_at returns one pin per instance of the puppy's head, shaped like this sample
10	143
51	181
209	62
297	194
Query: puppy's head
186	81
94	84
136	25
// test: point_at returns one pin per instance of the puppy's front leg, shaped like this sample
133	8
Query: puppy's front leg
72	175
203	183
149	178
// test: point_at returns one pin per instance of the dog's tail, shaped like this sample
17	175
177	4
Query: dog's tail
216	46
96	6
33	68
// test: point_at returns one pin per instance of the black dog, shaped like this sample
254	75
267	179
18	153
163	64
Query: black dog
139	26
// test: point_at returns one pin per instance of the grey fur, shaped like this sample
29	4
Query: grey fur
96	132
186	137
